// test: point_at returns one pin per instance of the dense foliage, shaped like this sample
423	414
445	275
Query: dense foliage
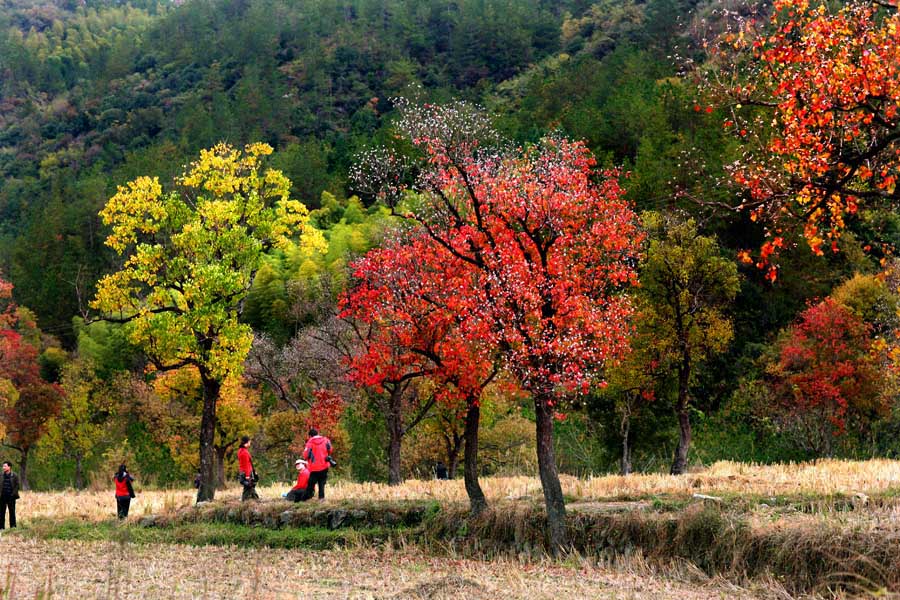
97	94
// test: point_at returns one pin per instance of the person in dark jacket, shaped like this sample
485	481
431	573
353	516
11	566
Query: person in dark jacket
9	493
247	474
124	491
298	492
318	457
440	471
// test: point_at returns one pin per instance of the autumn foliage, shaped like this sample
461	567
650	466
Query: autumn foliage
27	402
533	250
813	93
827	375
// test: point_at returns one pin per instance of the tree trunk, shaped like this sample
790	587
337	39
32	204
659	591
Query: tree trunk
220	467
453	456
679	464
395	432
79	475
553	496
23	468
211	388
626	445
477	501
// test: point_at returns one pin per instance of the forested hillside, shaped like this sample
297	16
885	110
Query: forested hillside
94	94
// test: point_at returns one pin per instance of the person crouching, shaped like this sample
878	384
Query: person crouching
298	492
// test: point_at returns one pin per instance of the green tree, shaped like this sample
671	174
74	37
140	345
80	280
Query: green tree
83	420
685	285
191	255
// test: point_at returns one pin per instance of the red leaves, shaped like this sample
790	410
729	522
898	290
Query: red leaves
521	255
38	400
831	79
825	364
327	410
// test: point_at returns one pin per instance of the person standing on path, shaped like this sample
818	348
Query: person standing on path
9	493
247	474
318	456
124	491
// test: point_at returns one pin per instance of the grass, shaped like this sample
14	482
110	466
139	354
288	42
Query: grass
95	569
826	478
831	527
210	534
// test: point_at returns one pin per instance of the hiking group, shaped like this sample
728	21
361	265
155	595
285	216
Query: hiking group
312	469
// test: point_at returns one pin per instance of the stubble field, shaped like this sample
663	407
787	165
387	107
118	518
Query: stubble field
35	564
826	477
78	569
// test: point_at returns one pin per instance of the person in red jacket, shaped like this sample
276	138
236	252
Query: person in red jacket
124	491
246	473
298	492
318	456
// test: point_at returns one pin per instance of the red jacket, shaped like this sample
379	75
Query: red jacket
123	486
316	453
245	462
302	479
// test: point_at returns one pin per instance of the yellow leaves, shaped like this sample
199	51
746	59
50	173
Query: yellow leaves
194	254
258	149
136	208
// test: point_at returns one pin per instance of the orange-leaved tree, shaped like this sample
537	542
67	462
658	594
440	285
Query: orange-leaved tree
408	289
813	92
551	245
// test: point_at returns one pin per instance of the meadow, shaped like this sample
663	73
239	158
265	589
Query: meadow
84	569
820	478
819	530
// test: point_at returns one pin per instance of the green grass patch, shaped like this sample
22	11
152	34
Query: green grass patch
210	534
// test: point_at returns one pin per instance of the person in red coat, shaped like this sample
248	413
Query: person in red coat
246	473
318	456
298	492
124	491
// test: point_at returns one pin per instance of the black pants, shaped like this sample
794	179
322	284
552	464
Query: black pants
249	493
319	477
123	503
297	495
9	503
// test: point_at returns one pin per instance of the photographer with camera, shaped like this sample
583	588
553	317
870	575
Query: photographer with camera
247	474
318	456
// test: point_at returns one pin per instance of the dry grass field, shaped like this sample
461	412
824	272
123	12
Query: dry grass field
821	478
34	565
86	570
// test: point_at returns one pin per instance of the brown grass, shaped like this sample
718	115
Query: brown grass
821	478
74	569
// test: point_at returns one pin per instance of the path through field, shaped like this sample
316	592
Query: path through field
76	569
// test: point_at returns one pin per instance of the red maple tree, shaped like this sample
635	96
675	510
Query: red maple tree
407	288
378	360
550	245
37	401
813	93
826	375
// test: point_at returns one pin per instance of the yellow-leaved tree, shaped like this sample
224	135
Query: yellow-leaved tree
191	255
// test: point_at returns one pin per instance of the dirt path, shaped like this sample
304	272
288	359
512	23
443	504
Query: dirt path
76	569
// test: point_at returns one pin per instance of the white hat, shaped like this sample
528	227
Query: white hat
300	461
